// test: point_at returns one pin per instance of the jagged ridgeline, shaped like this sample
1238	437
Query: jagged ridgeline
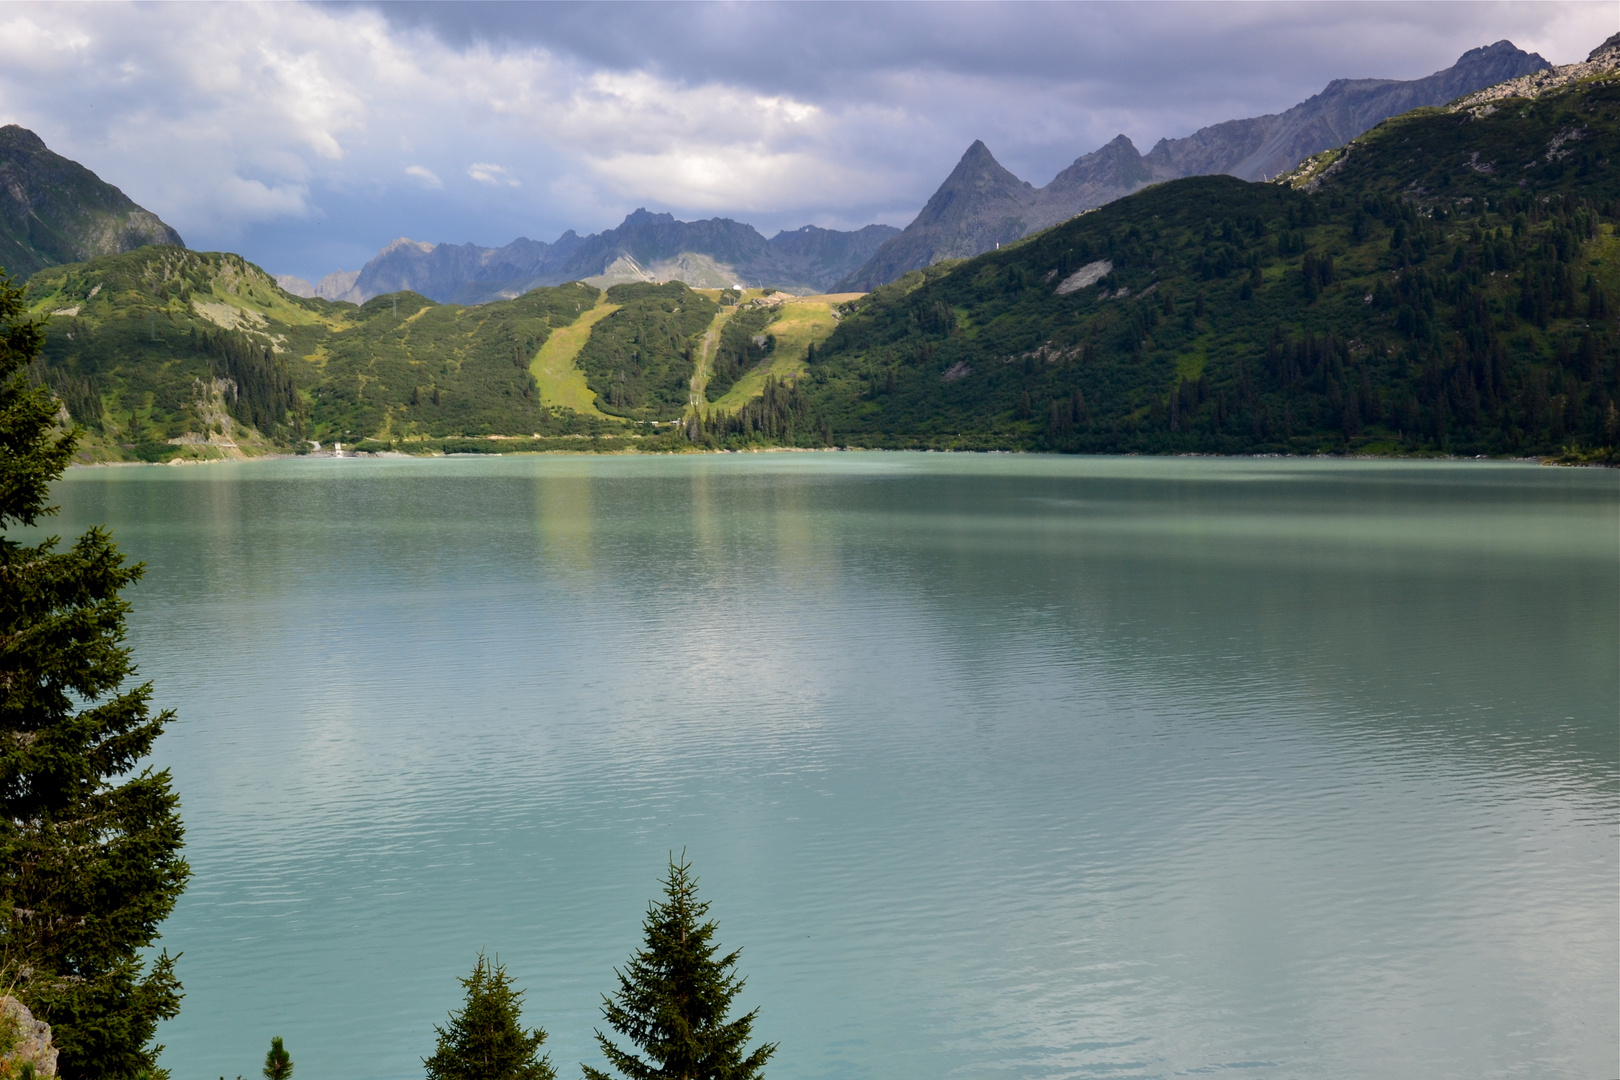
164	352
1446	283
640	359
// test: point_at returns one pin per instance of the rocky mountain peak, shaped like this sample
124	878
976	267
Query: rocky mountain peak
405	243
1493	52
642	216
981	204
1603	60
979	152
54	210
980	169
14	136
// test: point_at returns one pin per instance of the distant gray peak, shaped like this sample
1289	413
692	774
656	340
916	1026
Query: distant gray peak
405	242
644	246
296	285
642	216
1603	60
337	284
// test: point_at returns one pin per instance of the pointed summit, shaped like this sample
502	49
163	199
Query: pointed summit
977	177
979	206
978	153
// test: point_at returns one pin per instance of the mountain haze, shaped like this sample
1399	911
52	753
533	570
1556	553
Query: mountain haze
55	211
981	204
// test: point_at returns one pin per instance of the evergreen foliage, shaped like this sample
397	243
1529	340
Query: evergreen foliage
484	1040
278	1064
89	843
674	996
1445	284
744	342
639	360
781	415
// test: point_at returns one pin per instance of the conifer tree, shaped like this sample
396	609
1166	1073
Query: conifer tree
674	996
278	1064
484	1041
89	843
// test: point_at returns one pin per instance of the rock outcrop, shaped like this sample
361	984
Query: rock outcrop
979	206
25	1043
1603	60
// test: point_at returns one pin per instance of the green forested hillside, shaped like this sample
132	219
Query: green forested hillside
1448	283
163	344
639	359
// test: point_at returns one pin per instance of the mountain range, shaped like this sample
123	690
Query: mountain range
54	211
982	205
1446	282
716	253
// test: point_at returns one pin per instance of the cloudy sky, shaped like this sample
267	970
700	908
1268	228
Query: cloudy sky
308	135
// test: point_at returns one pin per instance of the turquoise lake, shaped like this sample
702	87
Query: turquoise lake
993	766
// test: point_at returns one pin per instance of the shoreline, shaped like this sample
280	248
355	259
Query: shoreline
627	451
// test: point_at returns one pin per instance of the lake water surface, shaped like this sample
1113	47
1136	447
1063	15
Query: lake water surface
994	766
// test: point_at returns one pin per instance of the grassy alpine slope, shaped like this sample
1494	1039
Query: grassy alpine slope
560	381
1448	283
797	325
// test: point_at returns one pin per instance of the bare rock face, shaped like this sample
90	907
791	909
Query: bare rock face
336	285
25	1043
979	206
291	283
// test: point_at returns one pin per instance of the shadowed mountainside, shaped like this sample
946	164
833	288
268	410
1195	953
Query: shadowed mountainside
55	211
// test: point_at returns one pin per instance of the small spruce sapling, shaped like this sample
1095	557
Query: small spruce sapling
484	1041
277	1064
